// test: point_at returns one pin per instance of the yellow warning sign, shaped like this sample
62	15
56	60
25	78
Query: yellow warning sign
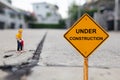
86	35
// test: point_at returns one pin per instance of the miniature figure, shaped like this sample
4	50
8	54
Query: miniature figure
20	42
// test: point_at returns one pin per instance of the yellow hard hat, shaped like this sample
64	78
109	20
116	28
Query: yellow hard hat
20	30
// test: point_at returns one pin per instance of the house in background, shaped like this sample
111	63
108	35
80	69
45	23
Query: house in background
46	13
108	11
10	17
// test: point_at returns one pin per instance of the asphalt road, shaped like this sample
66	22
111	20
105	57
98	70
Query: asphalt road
60	61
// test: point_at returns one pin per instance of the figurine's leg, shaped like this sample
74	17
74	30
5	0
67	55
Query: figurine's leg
18	45
21	48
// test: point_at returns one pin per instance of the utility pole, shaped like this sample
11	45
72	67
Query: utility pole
116	17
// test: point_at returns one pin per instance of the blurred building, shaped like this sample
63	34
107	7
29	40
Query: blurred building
9	1
46	13
10	17
106	12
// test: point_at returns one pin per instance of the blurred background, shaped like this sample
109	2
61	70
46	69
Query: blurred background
46	21
57	14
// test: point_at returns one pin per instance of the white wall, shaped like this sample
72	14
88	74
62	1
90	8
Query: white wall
42	9
7	19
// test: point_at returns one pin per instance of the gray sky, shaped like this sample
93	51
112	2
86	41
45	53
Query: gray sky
62	4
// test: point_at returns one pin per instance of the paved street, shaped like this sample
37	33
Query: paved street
58	59
56	47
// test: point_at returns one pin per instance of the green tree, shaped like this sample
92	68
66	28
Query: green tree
48	14
29	17
73	12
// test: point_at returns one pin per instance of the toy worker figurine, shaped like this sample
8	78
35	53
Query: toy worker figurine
20	42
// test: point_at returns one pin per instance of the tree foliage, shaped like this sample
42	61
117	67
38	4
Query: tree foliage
75	10
30	17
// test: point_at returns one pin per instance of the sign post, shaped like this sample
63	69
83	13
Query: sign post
85	69
86	36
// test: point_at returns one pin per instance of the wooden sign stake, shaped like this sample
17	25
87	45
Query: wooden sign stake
85	68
